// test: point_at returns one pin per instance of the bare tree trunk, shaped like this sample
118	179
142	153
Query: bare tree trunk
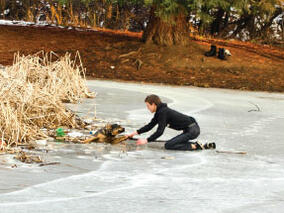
242	23
174	32
3	7
216	24
282	28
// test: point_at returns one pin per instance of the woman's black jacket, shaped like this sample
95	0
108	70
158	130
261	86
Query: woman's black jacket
165	116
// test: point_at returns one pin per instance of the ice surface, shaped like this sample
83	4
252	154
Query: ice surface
104	178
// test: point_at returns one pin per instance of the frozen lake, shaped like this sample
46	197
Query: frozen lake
103	178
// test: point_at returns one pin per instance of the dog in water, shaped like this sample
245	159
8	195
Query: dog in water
108	134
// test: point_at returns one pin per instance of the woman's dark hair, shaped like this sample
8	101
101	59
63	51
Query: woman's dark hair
153	99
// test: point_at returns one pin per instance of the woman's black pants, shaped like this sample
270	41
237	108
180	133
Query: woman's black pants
182	141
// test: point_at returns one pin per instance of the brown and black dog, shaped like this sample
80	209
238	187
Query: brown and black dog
108	134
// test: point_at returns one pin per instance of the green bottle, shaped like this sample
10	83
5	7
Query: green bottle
60	132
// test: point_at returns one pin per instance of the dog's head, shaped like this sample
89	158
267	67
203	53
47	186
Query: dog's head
114	129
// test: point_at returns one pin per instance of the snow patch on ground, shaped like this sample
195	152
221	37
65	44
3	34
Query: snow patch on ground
41	24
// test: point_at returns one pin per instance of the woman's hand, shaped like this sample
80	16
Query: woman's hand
132	134
141	142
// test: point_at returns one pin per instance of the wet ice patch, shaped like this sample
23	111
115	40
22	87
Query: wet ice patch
75	134
84	157
255	127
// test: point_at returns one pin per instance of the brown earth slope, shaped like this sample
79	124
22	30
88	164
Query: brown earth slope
121	56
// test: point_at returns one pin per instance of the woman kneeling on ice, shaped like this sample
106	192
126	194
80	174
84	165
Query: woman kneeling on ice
165	116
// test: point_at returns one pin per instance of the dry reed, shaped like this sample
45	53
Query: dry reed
32	95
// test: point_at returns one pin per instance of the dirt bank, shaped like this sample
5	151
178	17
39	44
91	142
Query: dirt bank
122	56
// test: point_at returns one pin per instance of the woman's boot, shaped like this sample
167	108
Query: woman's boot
212	51
221	54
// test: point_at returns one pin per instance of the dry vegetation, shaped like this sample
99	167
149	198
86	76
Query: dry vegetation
32	95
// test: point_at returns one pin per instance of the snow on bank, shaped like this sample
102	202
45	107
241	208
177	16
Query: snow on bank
41	24
21	23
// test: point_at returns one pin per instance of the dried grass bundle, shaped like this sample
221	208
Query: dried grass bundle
32	95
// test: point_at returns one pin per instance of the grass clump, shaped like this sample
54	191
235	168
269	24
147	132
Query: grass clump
32	95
